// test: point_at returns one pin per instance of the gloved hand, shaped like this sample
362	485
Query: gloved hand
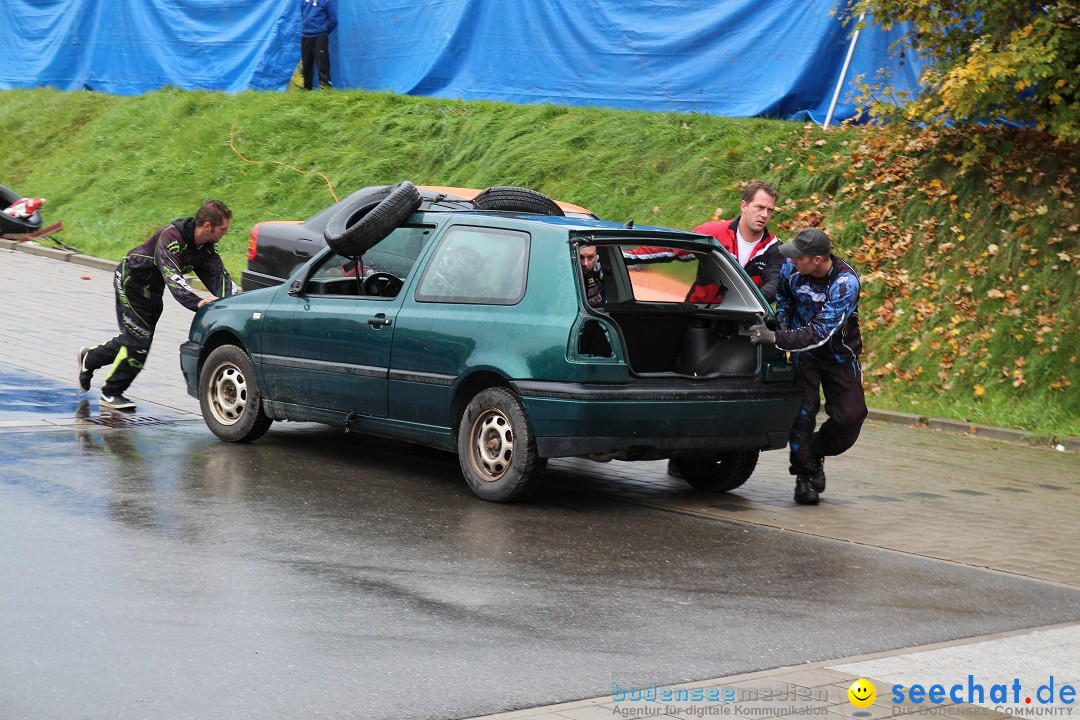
760	334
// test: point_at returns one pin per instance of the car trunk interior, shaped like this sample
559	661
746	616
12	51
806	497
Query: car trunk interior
673	340
647	296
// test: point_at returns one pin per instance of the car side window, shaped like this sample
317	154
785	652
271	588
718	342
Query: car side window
486	266
397	252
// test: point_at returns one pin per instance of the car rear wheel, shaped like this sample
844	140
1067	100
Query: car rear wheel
516	199
369	217
231	402
723	473
496	447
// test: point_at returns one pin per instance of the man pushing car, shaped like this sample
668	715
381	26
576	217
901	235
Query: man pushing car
180	247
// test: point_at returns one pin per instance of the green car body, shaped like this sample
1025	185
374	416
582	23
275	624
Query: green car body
474	335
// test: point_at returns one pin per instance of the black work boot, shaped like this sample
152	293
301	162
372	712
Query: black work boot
817	477
805	492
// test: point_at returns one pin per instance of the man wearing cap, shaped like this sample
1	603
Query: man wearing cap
817	307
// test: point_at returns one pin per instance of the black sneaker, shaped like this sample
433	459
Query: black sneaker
817	478
85	375
805	493
116	402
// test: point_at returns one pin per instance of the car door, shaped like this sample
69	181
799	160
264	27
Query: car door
326	342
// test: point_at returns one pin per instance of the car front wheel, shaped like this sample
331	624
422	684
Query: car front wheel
230	400
496	447
723	473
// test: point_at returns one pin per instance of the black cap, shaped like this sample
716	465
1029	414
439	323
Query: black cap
810	241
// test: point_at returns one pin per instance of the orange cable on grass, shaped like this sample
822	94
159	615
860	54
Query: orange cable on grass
277	162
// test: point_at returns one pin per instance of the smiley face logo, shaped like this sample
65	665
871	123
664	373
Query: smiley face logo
862	693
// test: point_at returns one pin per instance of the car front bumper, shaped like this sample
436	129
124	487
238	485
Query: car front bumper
189	366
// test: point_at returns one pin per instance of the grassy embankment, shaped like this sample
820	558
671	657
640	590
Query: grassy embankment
970	271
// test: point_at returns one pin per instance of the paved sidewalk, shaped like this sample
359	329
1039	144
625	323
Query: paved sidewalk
1004	506
820	691
52	308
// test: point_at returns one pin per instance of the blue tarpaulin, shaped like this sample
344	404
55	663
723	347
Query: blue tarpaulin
128	47
739	58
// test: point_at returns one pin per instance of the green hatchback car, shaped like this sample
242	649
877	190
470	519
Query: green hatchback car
495	334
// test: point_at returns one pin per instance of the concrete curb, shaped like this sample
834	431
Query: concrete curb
957	426
968	428
32	248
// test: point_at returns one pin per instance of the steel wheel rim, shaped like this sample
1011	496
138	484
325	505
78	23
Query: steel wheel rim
492	444
227	394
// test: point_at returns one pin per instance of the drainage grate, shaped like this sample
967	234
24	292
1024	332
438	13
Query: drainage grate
117	420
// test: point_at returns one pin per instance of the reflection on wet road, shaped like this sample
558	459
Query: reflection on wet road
157	572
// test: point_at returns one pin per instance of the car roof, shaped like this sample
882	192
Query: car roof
470	193
604	230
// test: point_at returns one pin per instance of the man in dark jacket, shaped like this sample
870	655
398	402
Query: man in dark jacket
592	274
180	247
318	20
818	311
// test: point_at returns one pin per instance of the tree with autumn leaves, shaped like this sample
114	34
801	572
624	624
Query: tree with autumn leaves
983	61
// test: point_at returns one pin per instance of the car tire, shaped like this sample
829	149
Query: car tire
369	217
230	400
516	199
723	473
496	447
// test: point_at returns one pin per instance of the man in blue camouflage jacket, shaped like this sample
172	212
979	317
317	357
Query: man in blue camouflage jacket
817	307
180	247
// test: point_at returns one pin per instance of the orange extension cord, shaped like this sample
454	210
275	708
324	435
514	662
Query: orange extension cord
276	162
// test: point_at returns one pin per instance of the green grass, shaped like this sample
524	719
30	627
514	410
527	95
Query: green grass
970	271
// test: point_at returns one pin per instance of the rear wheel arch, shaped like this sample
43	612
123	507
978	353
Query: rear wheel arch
469	388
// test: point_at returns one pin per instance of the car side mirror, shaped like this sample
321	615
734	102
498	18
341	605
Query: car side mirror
296	287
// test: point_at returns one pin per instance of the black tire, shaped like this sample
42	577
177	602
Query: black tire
368	217
723	473
496	447
516	199
230	400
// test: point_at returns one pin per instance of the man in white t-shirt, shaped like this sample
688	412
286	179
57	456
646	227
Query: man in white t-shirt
747	237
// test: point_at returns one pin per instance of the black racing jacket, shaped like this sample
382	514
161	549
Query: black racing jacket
167	256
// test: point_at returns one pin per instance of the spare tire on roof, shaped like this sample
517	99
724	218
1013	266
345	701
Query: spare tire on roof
516	199
368	217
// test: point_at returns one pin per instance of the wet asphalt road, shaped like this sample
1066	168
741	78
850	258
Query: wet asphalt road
157	572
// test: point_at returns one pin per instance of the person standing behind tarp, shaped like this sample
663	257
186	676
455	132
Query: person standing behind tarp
319	18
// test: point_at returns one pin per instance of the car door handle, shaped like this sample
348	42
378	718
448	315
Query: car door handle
378	321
